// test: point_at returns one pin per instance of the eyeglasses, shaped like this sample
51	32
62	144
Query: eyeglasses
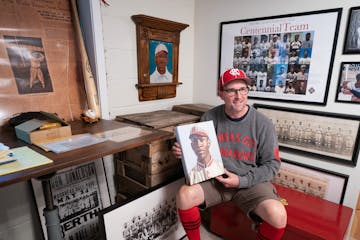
233	91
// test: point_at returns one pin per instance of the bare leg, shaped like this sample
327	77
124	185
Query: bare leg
187	199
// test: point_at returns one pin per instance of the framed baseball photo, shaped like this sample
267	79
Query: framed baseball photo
352	38
315	181
329	136
152	215
348	89
288	57
157	56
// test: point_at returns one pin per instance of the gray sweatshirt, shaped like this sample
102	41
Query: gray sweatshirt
249	147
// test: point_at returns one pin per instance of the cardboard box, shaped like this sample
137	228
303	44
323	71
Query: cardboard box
30	132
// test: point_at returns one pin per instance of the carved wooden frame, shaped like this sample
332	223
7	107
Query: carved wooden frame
157	29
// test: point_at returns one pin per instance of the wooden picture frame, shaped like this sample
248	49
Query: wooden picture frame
348	89
157	39
330	135
155	216
352	37
312	180
288	57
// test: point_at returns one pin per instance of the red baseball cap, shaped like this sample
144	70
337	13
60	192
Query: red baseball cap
231	75
196	130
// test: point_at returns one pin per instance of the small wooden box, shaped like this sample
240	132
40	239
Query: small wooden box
163	119
197	109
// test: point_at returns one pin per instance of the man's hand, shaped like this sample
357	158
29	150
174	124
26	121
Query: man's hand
176	150
230	180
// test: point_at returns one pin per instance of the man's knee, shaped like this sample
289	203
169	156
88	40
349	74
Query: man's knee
189	196
273	212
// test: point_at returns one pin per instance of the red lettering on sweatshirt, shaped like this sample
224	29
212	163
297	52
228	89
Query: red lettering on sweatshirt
236	137
238	155
249	142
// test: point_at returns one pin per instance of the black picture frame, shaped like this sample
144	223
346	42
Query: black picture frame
352	37
153	206
328	185
270	60
329	136
347	91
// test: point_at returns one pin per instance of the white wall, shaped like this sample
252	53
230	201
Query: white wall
209	14
206	60
198	70
120	53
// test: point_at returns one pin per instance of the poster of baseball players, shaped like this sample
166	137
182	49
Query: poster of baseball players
287	57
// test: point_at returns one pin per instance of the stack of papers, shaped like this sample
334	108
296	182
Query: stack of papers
23	158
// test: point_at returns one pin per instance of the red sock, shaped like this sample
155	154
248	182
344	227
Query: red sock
191	221
268	232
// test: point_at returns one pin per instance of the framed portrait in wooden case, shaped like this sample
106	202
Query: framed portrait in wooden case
157	56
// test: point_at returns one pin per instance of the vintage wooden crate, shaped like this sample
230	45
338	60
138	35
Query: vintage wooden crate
197	109
153	163
129	170
151	158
